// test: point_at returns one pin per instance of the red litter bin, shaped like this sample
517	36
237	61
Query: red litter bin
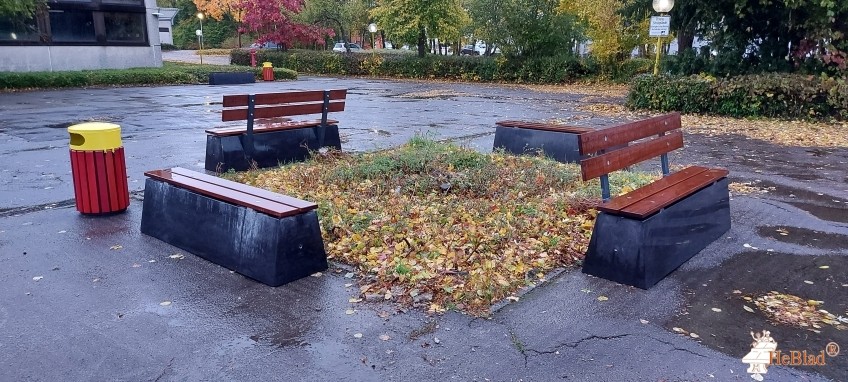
267	71
98	168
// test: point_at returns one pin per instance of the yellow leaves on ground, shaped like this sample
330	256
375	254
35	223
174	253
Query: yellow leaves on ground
441	227
793	310
781	132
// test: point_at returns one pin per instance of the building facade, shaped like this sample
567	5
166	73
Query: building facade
82	34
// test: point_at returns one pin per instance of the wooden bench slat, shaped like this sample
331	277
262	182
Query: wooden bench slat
281	111
621	202
301	205
227	131
284	97
652	204
266	206
545	126
606	138
594	167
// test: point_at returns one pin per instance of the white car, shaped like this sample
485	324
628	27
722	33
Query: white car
354	48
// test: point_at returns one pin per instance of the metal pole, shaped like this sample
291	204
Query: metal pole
657	62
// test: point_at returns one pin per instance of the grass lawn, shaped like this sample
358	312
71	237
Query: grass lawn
444	227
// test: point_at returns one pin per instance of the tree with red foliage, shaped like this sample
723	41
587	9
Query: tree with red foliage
274	21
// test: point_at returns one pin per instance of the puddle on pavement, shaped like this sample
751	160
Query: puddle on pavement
288	337
805	237
834	214
818	204
754	274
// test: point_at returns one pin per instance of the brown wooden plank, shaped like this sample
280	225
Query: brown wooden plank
654	203
301	205
284	97
237	130
263	205
627	156
281	111
545	126
621	202
603	139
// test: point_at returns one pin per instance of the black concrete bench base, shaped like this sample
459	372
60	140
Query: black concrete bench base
559	146
225	78
271	250
642	252
270	148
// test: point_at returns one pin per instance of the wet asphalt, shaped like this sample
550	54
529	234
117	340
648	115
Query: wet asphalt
91	298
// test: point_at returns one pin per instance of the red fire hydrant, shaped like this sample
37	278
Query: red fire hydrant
252	58
267	71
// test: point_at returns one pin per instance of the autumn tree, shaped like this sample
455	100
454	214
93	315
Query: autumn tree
524	27
275	21
19	8
612	38
343	16
416	20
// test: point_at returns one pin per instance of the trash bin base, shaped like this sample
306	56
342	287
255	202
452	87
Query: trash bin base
100	181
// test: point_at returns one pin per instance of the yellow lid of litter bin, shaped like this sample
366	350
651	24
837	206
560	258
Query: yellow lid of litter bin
95	136
267	64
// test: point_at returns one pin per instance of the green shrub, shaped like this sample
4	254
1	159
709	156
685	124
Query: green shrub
757	95
500	68
169	73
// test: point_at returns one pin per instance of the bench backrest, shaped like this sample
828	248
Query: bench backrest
602	161
285	104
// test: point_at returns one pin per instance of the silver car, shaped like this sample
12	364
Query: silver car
340	48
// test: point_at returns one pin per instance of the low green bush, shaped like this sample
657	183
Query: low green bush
486	69
169	73
757	95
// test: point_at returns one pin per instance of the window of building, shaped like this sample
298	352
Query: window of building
124	27
19	29
72	26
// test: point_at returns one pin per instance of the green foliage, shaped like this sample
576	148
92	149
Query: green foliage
412	21
761	95
525	27
170	73
19	8
486	69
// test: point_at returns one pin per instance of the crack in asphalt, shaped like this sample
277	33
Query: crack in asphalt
577	343
675	348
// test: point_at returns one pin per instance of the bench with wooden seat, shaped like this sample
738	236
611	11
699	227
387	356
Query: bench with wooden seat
556	141
269	237
642	236
270	138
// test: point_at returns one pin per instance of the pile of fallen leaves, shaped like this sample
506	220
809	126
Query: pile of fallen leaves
443	227
793	310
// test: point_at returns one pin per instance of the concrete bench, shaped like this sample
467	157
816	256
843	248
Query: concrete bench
555	141
269	237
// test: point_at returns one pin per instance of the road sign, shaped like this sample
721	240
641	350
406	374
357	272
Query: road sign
659	26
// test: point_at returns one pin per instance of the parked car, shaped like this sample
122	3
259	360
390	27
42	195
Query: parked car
266	45
354	48
468	50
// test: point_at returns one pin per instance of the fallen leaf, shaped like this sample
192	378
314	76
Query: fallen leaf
748	308
348	285
717	310
165	303
512	298
136	265
693	335
584	290
178	256
115	247
737	291
603	298
437	340
37	278
151	261
348	275
678	330
357	335
644	322
350	311
62	231
317	274
385	337
824	267
354	300
383	314
808	282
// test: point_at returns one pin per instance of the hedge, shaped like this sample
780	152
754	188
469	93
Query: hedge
169	73
757	95
544	70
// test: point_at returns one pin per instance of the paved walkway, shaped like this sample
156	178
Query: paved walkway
82	297
192	57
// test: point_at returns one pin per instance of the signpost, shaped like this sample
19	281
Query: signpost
659	26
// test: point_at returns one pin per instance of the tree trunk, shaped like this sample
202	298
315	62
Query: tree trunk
422	41
684	41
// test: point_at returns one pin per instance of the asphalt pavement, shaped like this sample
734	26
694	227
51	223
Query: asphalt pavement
91	298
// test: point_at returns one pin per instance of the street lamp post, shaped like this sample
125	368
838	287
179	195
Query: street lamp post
373	29
200	36
663	7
